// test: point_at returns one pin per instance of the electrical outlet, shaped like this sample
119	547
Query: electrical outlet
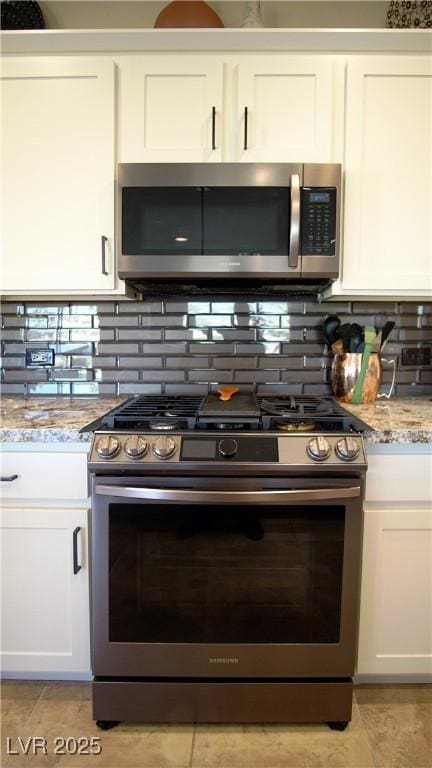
416	356
35	358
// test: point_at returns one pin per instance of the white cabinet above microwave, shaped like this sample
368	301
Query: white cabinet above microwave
194	108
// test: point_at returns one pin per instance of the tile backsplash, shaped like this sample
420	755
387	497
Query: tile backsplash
192	346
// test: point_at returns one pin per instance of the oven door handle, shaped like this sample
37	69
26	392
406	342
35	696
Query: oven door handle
247	497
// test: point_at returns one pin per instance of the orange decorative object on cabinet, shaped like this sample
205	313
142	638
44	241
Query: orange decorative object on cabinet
188	13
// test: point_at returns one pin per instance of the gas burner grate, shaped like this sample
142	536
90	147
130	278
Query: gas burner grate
295	406
143	411
322	414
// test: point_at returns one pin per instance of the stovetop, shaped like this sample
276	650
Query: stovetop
243	412
248	433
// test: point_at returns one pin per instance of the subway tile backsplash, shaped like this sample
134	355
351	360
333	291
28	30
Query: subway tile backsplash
173	346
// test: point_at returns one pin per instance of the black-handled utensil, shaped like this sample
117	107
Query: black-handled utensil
386	331
357	337
331	327
345	334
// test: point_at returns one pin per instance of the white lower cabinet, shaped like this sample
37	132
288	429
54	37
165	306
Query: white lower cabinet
45	625
396	597
44	565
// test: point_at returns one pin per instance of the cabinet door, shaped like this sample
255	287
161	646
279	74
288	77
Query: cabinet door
396	598
57	188
171	109
387	242
289	103
45	626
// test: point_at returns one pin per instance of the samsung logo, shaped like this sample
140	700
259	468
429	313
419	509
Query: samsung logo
223	660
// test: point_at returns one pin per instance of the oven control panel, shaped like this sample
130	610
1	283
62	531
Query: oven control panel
307	450
185	448
136	447
230	448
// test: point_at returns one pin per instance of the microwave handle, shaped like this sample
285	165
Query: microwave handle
294	239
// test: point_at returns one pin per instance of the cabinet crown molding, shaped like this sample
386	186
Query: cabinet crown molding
282	40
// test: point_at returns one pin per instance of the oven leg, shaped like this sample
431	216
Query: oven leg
106	725
338	725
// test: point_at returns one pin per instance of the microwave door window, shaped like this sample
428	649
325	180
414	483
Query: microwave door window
246	220
160	221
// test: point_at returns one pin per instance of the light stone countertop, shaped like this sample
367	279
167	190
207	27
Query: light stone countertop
51	419
398	420
59	419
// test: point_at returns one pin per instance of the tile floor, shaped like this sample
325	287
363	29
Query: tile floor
391	728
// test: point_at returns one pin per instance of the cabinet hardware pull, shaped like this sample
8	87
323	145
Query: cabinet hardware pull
8	478
104	241
213	127
245	143
76	566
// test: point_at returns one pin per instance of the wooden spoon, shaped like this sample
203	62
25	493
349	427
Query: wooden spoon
226	393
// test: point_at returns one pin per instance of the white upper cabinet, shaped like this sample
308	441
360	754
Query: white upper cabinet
170	109
224	108
57	180
284	109
387	228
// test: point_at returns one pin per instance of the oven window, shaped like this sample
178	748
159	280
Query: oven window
225	574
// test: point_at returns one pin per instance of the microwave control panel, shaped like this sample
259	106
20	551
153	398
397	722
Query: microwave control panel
318	221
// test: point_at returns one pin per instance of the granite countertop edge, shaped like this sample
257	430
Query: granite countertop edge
41	435
59	420
59	435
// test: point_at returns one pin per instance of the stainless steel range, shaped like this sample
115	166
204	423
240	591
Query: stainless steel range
226	545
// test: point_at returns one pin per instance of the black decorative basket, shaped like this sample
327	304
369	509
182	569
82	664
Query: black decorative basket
21	15
410	14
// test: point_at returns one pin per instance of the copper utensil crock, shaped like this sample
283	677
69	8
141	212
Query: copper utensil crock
345	371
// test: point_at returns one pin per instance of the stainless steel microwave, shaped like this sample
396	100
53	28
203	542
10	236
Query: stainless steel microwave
262	221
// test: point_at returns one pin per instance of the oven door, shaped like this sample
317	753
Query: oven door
215	577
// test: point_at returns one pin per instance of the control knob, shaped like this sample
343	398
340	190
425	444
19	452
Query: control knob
347	448
164	447
107	447
135	447
228	447
319	449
